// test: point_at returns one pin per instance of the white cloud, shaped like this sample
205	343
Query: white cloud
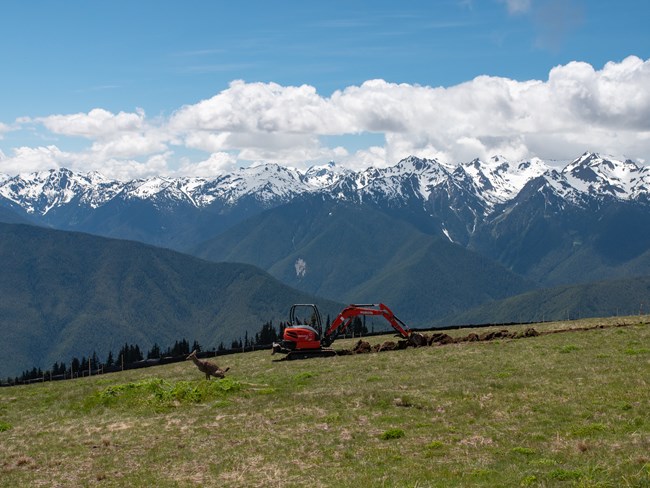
217	163
260	108
126	169
577	108
122	135
98	123
33	159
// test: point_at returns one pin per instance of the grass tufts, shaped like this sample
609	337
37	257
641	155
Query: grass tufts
392	434
156	392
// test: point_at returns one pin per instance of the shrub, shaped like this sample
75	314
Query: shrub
565	475
435	445
393	434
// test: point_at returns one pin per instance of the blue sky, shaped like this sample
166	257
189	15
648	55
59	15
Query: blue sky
134	88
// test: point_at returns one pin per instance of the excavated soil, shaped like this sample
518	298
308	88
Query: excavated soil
419	339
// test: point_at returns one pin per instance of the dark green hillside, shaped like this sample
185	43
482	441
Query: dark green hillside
542	238
8	216
359	254
601	299
66	294
432	278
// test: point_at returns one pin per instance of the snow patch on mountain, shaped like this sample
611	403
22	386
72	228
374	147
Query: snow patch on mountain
604	176
326	175
41	191
410	181
498	180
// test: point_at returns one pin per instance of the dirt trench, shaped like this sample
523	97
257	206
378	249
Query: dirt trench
420	339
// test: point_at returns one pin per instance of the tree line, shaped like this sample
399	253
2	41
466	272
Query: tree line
130	354
127	355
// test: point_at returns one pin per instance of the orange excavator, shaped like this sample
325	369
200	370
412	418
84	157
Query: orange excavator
307	340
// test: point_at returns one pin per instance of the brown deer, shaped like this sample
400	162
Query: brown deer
210	369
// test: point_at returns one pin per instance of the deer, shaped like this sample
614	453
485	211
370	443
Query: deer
210	369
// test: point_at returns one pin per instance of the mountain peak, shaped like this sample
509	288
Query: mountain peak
324	175
594	174
413	164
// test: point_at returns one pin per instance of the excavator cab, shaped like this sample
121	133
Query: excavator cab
303	332
306	316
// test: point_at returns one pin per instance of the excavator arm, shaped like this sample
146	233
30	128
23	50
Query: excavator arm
343	320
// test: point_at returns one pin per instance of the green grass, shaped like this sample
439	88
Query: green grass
568	409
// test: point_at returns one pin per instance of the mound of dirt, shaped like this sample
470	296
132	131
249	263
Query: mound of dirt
441	338
419	339
386	346
362	347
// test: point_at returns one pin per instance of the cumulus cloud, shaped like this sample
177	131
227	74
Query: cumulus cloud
261	108
577	108
96	123
34	159
218	163
121	135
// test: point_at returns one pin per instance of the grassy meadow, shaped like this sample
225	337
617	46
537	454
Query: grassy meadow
567	409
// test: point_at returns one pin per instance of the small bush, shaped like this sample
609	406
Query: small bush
4	426
565	475
392	434
529	480
637	351
301	378
589	430
435	445
568	348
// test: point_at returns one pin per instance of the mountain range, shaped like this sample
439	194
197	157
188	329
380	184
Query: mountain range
585	222
431	240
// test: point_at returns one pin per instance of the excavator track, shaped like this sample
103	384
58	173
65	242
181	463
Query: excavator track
309	353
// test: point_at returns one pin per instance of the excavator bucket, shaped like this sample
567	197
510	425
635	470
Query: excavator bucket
416	339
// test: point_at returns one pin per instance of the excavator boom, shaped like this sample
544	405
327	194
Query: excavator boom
343	320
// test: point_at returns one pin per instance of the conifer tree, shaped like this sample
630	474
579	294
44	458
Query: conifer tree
74	365
154	352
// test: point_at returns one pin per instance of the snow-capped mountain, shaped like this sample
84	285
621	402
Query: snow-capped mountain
595	175
498	180
454	201
494	182
325	175
41	191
